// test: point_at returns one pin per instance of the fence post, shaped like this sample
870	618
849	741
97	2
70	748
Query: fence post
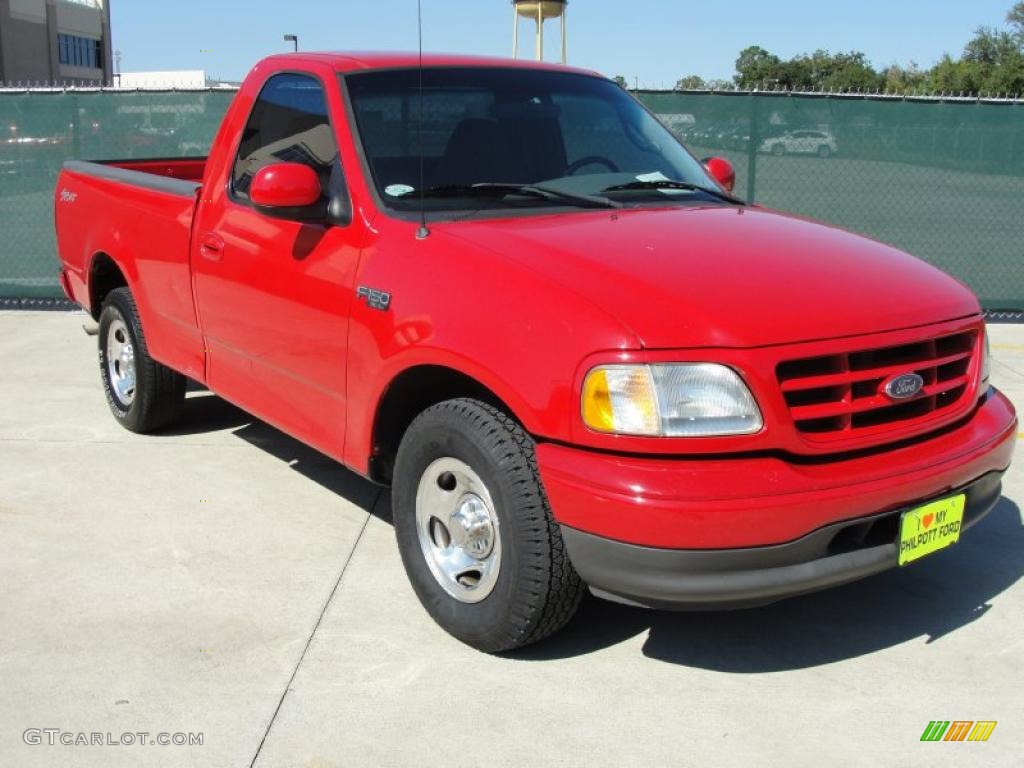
753	146
76	134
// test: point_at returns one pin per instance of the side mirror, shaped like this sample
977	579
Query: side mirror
722	171
287	190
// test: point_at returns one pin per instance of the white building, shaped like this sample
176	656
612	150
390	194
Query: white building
183	79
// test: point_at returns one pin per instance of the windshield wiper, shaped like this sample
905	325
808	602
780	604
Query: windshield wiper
498	189
669	184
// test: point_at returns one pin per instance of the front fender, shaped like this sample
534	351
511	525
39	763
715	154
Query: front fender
472	310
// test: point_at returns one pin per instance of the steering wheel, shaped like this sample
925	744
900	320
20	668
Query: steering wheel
583	162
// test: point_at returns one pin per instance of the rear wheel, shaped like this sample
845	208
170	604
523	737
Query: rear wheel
143	394
475	530
779	150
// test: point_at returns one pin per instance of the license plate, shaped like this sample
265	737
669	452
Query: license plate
928	529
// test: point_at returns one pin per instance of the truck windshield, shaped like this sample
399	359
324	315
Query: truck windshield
568	133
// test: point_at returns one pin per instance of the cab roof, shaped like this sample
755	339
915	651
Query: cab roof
355	61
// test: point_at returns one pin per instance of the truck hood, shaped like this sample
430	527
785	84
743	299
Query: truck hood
719	276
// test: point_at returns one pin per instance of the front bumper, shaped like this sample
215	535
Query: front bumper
724	502
744	530
740	578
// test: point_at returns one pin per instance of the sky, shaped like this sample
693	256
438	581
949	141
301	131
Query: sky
653	42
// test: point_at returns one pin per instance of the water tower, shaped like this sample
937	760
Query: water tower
539	11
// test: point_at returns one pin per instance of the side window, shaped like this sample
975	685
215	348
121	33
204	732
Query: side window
288	124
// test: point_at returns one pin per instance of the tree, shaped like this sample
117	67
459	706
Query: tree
955	76
1015	18
757	68
821	70
620	81
718	84
845	72
1007	78
909	79
992	62
991	47
691	83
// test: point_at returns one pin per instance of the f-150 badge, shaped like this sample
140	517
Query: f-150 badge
374	299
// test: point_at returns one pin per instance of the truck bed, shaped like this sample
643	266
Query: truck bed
179	175
136	214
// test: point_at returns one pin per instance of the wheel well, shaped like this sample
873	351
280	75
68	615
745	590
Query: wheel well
409	394
104	276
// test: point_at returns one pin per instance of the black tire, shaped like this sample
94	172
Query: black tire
779	150
159	393
824	151
537	591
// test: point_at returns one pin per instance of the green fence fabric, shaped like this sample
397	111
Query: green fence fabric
41	129
942	179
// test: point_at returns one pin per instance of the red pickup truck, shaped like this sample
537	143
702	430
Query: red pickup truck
506	290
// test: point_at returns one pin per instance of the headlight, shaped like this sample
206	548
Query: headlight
986	361
681	400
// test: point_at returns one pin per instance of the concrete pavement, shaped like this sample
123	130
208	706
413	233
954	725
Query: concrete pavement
223	579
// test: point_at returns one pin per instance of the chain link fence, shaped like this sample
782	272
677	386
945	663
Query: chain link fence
40	129
940	178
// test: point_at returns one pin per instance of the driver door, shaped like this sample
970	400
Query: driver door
274	295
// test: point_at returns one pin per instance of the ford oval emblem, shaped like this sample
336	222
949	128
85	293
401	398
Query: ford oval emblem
904	386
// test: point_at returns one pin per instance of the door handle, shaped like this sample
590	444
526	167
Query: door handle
211	246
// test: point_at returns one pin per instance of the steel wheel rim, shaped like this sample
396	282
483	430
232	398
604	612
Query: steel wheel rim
457	529
121	361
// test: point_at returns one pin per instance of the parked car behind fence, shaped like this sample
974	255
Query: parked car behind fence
820	143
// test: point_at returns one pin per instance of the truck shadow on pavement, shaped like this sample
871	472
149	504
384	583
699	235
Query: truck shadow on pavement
930	599
206	412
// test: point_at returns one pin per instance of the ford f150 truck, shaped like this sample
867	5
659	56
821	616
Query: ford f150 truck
507	290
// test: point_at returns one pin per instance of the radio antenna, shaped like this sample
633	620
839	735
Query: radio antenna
421	233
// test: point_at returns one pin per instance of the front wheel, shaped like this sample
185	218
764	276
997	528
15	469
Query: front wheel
779	150
824	151
475	530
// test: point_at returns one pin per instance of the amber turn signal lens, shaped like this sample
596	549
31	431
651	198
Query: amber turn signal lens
621	399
